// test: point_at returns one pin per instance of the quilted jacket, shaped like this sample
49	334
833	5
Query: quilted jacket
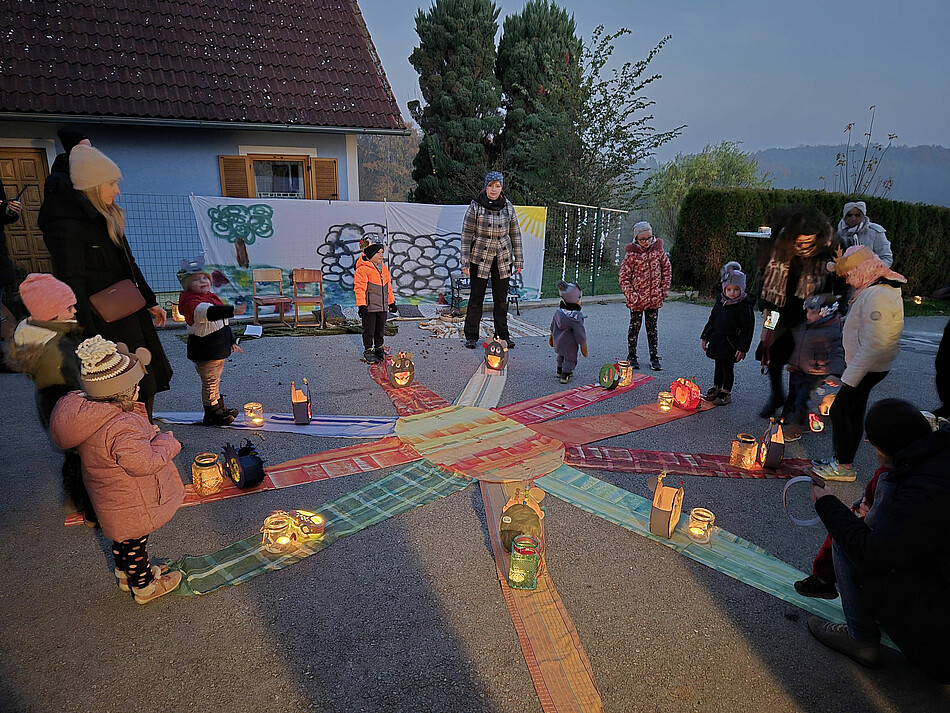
645	276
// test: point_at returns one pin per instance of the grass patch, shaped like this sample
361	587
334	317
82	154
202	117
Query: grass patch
928	307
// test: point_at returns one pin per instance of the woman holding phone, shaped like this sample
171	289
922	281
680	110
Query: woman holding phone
84	229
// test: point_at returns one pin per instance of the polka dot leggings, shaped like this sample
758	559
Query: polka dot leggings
131	556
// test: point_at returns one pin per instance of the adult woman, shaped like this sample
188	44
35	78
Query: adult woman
793	267
84	230
491	249
871	337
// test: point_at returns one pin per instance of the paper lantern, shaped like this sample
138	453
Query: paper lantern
244	466
177	316
815	424
286	531
300	404
667	507
772	445
496	354
664	401
686	394
609	376
254	414
206	475
402	370
744	451
918	300
525	561
700	525
626	373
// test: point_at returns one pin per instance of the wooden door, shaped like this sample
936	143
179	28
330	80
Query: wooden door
19	168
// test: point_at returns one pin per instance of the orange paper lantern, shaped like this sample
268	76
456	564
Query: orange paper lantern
686	394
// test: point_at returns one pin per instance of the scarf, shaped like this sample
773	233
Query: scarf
727	302
868	272
775	280
488	204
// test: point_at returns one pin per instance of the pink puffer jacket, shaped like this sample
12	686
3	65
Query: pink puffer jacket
645	276
127	468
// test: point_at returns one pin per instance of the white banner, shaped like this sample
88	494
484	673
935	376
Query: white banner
240	234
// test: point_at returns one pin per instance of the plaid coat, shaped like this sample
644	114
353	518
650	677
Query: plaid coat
489	234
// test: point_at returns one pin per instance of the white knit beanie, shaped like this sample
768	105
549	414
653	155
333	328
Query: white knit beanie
89	167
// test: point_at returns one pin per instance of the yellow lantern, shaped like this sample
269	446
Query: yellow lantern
664	401
286	531
743	451
177	316
206	474
918	300
254	413
626	373
700	526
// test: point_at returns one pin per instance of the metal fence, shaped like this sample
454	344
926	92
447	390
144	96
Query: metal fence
583	244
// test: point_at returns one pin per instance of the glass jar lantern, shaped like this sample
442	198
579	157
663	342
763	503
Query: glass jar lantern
254	414
743	452
207	476
525	562
700	526
664	401
278	533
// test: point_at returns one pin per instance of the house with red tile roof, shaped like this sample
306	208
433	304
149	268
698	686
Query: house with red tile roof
208	97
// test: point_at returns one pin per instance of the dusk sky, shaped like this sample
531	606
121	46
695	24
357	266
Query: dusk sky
765	73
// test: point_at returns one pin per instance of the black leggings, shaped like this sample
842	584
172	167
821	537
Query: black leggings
131	556
847	415
476	300
725	374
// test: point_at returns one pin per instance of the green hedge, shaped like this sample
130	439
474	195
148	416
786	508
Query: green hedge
711	217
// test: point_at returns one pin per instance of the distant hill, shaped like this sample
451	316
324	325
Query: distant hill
921	173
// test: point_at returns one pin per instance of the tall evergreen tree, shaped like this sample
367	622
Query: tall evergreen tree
455	60
540	73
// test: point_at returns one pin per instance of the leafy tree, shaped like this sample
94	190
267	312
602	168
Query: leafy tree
858	176
722	164
540	74
455	60
386	165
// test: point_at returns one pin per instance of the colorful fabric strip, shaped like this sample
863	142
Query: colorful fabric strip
407	400
484	388
544	408
329	426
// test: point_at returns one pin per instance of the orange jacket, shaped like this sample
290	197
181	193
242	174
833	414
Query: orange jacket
373	287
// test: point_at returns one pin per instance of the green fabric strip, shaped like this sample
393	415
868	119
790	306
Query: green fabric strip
409	487
726	552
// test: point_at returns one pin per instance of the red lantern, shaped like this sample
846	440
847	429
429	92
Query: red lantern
686	394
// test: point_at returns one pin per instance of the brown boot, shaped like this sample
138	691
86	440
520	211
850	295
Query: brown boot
158	587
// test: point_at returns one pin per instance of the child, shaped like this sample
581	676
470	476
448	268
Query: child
126	463
728	333
374	291
567	330
891	426
44	347
818	355
210	339
645	275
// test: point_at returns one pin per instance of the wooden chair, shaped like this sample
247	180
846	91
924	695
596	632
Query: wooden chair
301	277
266	276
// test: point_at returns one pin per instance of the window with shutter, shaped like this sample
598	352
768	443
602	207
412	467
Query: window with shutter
325	182
237	178
276	176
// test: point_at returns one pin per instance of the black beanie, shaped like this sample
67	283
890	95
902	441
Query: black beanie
70	138
893	424
372	250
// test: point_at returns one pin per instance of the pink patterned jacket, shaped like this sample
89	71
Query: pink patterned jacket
645	275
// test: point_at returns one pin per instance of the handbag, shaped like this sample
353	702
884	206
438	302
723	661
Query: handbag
118	300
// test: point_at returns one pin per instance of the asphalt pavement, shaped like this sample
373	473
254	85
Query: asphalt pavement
408	615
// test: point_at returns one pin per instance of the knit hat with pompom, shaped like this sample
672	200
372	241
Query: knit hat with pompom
108	369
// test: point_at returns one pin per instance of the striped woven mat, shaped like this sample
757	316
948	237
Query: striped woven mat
629	460
484	388
407	488
544	408
578	431
329	426
557	662
447	327
407	400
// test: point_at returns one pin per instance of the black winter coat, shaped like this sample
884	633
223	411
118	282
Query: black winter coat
86	259
903	563
729	329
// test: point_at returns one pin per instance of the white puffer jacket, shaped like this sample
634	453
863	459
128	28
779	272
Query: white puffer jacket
872	332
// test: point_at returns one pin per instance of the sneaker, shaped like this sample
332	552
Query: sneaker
565	378
655	364
158	587
723	398
379	354
558	372
812	586
89	519
634	364
509	342
792	431
471	343
369	357
711	393
834	471
157	570
836	636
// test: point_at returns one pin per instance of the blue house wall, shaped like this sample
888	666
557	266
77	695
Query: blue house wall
161	166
